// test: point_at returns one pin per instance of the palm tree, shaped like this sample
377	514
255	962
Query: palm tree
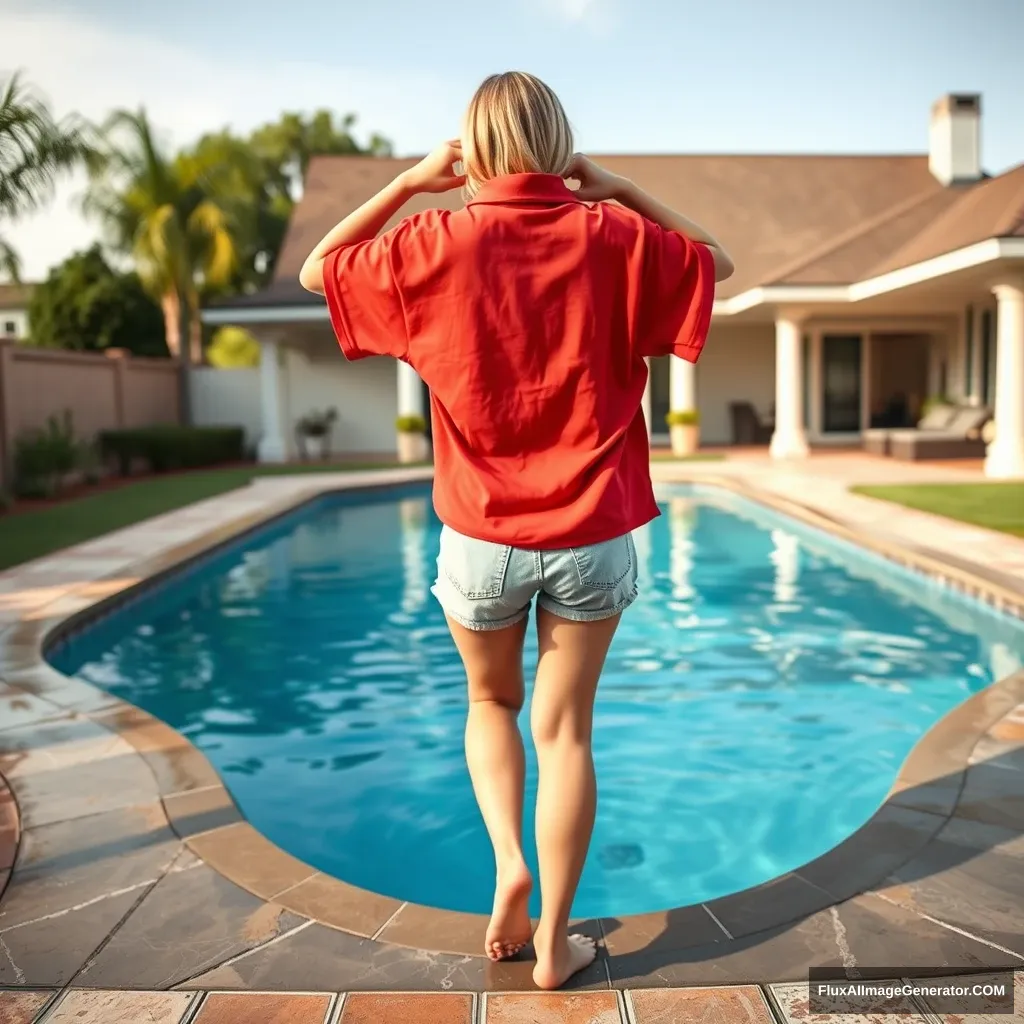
34	150
158	211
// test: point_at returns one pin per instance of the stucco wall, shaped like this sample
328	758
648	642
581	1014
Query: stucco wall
364	394
738	364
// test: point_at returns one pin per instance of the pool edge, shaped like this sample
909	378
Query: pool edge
199	808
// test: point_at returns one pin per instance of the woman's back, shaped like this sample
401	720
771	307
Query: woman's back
529	315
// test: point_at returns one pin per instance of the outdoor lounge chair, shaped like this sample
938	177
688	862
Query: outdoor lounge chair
960	439
938	418
747	427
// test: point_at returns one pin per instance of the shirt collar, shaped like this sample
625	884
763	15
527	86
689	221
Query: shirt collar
524	188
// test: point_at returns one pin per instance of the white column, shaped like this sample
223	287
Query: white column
682	384
1005	457
410	391
272	447
416	588
785	557
646	406
790	439
682	514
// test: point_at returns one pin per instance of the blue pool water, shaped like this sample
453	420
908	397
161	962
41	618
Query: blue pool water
758	699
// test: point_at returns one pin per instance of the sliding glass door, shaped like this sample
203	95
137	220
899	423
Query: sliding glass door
841	360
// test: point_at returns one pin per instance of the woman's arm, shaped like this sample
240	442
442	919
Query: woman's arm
597	184
434	173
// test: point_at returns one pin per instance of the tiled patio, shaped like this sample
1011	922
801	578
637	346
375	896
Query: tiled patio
739	1004
133	870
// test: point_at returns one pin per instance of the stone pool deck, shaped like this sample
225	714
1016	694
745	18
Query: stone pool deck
133	886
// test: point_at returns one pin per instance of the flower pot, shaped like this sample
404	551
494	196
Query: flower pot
685	439
315	446
413	447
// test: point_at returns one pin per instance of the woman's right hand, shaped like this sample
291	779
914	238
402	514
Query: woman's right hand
436	171
596	184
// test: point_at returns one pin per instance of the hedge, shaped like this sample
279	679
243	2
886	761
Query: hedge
170	447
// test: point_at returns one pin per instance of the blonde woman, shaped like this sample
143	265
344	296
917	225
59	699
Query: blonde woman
529	314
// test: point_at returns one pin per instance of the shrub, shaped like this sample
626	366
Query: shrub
411	425
683	418
42	458
172	447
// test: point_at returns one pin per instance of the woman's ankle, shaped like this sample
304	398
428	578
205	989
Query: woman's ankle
547	940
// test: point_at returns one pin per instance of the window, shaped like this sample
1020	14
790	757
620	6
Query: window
987	357
969	352
10	328
806	360
841	380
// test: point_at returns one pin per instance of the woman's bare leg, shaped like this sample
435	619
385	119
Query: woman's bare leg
572	655
494	752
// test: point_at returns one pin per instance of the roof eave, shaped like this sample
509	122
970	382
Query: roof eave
978	254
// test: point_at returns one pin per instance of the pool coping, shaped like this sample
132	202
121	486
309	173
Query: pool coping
201	811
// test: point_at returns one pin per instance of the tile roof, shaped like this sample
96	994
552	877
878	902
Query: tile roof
14	296
784	219
993	208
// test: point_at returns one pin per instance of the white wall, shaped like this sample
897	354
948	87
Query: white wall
227	398
17	317
364	393
737	365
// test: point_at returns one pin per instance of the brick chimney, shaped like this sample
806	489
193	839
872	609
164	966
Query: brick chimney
954	141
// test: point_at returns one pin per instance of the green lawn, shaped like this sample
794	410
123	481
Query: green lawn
40	530
998	506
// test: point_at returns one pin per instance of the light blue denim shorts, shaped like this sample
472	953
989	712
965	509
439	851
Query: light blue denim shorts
483	585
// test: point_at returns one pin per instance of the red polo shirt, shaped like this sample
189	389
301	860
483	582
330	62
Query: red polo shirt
529	314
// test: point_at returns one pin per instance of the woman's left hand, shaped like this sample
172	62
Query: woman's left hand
436	171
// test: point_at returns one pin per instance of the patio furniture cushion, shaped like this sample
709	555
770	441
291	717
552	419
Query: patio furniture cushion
966	419
938	417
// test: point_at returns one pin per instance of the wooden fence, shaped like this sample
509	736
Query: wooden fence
101	391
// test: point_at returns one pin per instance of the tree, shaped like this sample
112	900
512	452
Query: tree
85	305
233	348
158	209
34	150
259	179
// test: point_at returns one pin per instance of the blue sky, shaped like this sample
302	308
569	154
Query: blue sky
634	75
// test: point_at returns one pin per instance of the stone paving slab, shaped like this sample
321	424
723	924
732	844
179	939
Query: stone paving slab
742	1004
267	1008
423	1008
22	1007
794	1003
97	1007
551	1008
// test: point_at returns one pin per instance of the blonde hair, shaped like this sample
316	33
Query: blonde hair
514	124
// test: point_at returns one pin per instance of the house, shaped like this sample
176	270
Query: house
864	285
14	299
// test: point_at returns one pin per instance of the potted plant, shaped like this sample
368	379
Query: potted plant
412	439
314	431
684	431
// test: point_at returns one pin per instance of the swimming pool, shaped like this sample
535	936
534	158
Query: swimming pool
757	703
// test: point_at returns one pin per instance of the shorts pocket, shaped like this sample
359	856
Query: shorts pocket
476	568
605	565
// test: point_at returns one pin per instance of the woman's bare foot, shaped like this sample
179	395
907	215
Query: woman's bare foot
568	957
510	928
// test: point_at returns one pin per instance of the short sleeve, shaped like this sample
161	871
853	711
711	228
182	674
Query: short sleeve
361	285
677	292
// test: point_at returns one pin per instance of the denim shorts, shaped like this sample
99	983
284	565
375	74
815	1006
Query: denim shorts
483	585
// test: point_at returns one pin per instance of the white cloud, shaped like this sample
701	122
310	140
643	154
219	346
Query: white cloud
92	69
596	16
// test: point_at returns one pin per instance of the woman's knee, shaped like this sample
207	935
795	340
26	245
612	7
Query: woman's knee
498	685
